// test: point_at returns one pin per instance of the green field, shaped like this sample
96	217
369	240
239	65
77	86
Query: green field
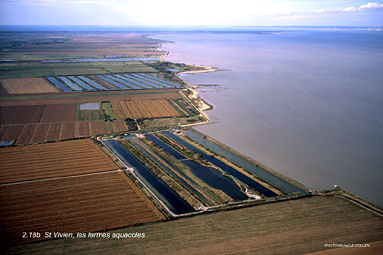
90	115
39	69
108	110
290	227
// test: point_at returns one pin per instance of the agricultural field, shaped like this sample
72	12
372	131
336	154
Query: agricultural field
51	160
41	69
290	227
82	204
21	114
69	45
57	116
137	109
97	127
82	129
27	86
59	113
119	126
88	97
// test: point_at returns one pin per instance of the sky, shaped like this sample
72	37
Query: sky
192	13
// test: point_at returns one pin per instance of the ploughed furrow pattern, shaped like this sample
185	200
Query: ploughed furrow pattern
22	114
97	127
169	108
160	108
59	113
40	134
67	131
53	133
117	110
78	204
3	131
142	108
52	160
127	113
27	86
82	129
151	108
13	133
26	136
119	126
133	109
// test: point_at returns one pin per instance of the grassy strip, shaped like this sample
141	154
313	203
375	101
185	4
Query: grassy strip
181	104
109	127
177	108
90	115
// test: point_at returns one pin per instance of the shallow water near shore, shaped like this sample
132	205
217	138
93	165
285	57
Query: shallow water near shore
308	104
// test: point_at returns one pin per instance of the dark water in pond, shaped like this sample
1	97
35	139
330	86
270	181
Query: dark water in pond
252	184
172	200
169	149
173	174
215	179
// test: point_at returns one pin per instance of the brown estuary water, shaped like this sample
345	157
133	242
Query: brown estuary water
306	102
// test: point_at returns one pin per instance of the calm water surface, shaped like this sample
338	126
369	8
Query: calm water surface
308	104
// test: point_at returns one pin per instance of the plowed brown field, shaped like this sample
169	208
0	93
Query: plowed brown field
27	134
59	113
169	108
90	97
67	131
133	109
151	108
97	127
126	110
117	110
141	107
82	129
40	134
52	160
13	133
3	131
119	126
77	204
27	86
53	133
20	114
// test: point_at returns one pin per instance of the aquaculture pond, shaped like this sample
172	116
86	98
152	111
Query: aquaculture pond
243	178
197	193
215	179
172	200
210	176
169	149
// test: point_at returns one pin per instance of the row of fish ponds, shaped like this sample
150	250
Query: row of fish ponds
115	81
210	176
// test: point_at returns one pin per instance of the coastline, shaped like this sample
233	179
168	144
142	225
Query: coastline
295	183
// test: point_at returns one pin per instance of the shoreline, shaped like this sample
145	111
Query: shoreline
293	182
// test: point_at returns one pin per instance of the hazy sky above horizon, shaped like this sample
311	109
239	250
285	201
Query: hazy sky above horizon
192	13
